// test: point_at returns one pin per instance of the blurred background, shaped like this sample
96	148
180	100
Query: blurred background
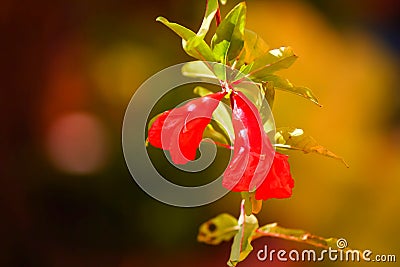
69	69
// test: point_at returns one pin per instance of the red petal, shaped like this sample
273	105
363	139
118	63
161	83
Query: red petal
154	134
279	182
253	153
180	130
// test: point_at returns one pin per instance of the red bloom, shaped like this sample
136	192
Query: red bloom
254	165
180	130
253	153
279	182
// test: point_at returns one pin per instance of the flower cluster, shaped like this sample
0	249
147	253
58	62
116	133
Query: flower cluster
255	166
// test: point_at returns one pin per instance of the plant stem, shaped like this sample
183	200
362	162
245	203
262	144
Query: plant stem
218	17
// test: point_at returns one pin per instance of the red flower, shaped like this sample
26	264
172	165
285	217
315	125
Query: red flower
254	165
279	182
180	130
253	153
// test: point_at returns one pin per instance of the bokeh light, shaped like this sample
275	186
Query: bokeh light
77	143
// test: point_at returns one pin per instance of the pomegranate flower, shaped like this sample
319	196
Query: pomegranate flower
252	152
180	130
255	166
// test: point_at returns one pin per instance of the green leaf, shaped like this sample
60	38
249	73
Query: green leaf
295	138
254	47
197	69
241	246
221	115
211	10
218	229
285	233
220	72
274	60
285	85
201	91
243	71
193	45
228	39
269	93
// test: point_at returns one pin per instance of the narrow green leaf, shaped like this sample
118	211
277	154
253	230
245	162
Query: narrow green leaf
273	228
228	39
241	246
244	70
220	51
218	229
274	60
211	10
285	85
254	47
193	45
220	71
201	91
269	127
221	115
269	93
295	138
197	69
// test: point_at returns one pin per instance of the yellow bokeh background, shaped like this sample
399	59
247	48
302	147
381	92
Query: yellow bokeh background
68	196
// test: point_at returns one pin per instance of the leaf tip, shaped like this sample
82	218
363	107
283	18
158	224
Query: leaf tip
315	101
161	19
345	163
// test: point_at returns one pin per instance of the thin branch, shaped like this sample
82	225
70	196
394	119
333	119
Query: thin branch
218	17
